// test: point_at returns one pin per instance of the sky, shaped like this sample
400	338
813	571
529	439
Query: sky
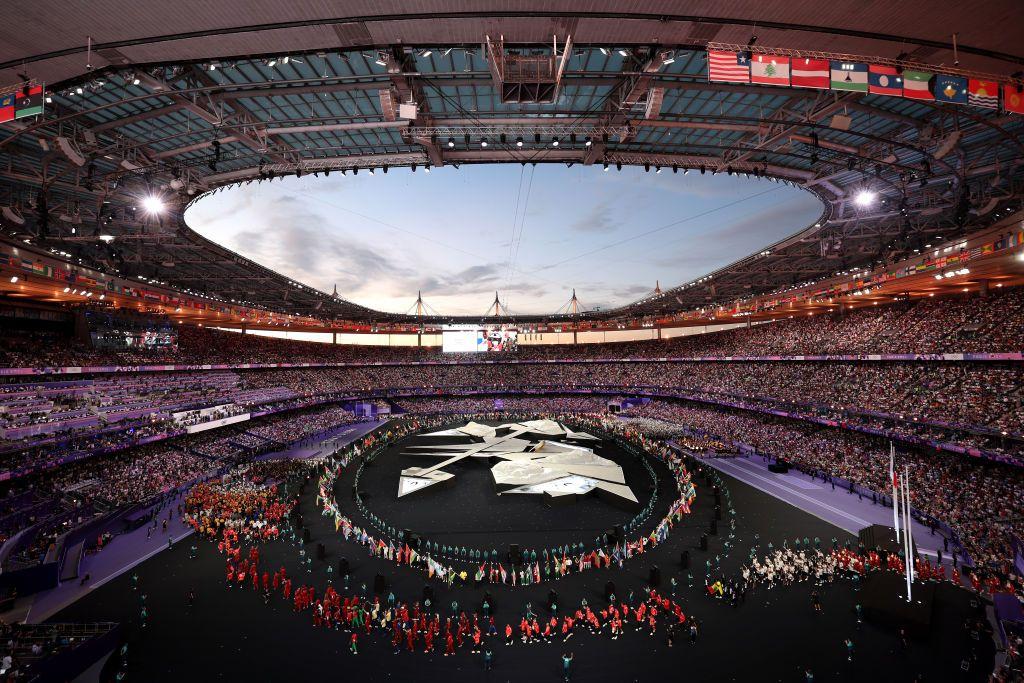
531	233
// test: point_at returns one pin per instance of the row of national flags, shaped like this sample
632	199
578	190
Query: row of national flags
876	79
24	102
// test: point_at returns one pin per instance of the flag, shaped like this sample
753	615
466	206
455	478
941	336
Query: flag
917	85
1013	99
849	76
29	102
769	69
6	107
884	80
810	73
983	93
950	89
729	67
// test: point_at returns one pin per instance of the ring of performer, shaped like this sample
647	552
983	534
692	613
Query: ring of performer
462	565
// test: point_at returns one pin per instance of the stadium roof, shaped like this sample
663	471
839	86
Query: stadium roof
180	99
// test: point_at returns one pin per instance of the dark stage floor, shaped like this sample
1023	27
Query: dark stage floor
470	513
231	635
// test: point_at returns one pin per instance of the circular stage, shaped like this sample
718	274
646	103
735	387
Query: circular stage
469	511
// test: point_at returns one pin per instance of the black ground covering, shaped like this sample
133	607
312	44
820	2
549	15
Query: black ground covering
469	512
230	634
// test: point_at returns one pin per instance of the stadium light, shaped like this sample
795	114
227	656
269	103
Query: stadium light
14	279
865	198
153	204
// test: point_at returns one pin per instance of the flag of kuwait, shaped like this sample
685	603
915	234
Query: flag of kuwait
884	80
917	85
849	76
769	69
983	93
810	73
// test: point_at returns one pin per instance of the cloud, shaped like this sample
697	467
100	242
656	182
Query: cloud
597	220
447	234
633	291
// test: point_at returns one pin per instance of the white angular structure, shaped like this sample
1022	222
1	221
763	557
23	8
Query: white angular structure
549	467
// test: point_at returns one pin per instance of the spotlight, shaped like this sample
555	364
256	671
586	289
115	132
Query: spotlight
272	63
483	142
426	167
519	141
14	279
657	169
865	198
451	142
554	141
153	204
606	167
588	142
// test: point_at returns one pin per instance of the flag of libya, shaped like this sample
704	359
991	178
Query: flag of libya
29	102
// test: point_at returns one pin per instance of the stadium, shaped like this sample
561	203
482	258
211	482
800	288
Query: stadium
511	341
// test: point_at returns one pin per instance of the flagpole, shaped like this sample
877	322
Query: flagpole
895	498
907	533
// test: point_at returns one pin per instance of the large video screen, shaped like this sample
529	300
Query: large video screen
458	341
471	340
498	340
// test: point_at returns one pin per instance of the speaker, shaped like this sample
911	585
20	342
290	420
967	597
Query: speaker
552	598
609	590
684	559
380	584
704	542
343	568
321	551
305	535
654	577
68	149
515	555
428	593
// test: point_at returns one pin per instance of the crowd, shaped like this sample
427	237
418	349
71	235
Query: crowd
950	324
245	504
980	501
